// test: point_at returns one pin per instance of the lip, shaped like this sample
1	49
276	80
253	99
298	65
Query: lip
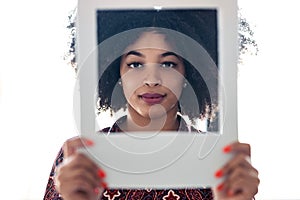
152	98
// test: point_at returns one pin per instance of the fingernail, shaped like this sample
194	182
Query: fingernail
96	190
89	143
220	187
219	173
101	173
227	149
230	193
104	185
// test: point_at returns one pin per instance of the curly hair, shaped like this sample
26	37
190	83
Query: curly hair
200	25
247	45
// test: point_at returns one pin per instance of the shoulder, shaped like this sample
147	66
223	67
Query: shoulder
186	124
115	127
105	130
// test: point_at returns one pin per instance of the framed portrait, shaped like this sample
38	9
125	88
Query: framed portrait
185	54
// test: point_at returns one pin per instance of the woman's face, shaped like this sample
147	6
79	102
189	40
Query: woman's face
152	76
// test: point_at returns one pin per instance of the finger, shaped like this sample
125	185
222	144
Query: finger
79	166
251	176
78	189
238	147
221	193
243	187
240	160
80	160
80	174
236	197
241	181
71	145
247	174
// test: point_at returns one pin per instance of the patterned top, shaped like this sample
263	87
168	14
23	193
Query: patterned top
132	194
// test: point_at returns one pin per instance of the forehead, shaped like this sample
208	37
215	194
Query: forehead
151	40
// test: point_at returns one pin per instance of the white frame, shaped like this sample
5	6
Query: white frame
176	175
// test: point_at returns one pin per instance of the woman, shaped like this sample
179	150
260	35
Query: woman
153	76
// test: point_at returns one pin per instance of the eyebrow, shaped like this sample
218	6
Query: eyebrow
170	53
136	53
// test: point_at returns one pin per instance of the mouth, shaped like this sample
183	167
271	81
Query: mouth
152	98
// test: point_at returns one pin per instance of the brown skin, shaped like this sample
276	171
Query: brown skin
77	177
150	66
241	178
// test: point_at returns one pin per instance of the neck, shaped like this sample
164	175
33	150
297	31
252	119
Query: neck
165	122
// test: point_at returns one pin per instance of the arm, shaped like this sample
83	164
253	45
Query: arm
51	193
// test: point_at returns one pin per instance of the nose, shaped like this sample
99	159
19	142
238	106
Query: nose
152	76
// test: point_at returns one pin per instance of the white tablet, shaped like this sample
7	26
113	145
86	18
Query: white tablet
203	35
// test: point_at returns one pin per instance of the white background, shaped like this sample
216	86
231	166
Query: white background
36	88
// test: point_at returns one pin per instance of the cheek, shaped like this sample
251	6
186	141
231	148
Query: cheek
128	89
131	81
177	89
174	82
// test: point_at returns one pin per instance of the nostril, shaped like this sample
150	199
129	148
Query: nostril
152	84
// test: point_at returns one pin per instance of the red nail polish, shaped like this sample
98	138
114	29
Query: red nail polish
104	185
101	173
219	173
96	190
89	143
220	187
227	149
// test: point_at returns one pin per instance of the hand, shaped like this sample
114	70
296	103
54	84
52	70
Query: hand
78	177
240	177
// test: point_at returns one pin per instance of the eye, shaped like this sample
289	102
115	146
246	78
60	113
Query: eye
135	65
168	64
